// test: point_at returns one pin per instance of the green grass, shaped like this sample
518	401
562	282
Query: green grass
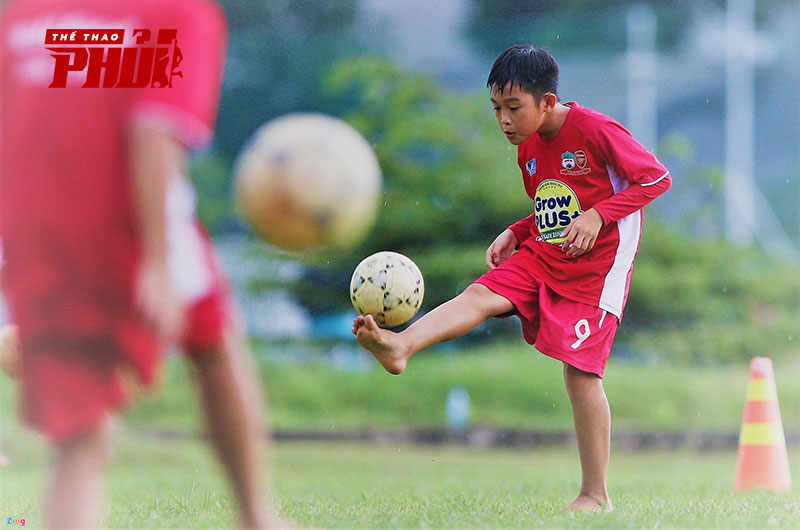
510	385
158	483
177	484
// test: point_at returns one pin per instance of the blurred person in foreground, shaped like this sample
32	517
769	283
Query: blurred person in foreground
105	263
565	269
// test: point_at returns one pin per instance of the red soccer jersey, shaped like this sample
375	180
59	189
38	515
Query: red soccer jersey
70	245
593	162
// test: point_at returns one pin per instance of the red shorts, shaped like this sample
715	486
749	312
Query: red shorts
578	334
69	384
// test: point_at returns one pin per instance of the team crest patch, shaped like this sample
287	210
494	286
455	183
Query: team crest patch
531	166
567	160
574	163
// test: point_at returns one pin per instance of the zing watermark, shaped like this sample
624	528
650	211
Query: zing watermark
16	522
108	63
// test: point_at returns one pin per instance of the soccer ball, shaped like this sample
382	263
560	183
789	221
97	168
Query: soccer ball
308	181
388	286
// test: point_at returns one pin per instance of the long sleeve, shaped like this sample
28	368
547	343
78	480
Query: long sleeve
635	197
637	175
522	228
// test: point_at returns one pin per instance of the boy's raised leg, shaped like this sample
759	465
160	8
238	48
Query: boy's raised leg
448	321
593	432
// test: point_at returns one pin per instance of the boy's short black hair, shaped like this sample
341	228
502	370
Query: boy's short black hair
534	70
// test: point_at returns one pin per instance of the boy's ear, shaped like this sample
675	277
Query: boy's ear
550	101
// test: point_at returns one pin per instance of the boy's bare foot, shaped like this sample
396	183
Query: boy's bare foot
385	345
585	503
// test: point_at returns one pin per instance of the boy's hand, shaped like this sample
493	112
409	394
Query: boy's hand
156	300
581	233
501	249
9	350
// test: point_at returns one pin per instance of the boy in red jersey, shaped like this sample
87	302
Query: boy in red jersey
565	269
103	257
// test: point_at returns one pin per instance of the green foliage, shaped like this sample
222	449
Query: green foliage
451	268
706	301
211	175
277	53
445	163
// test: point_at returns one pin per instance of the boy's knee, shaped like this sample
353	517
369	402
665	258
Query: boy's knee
577	373
230	354
95	441
217	351
487	301
210	361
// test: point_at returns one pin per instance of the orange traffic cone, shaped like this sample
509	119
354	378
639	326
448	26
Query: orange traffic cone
762	460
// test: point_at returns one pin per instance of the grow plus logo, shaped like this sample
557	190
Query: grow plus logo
106	62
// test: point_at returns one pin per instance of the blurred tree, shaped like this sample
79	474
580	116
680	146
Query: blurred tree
705	301
278	52
210	173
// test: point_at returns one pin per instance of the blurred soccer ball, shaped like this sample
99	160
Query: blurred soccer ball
307	181
388	286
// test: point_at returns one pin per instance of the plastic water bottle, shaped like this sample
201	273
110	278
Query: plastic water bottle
457	408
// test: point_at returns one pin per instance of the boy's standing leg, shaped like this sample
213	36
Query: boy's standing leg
231	401
74	493
592	417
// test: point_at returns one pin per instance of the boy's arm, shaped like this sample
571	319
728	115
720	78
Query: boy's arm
581	233
636	197
644	176
163	125
634	170
154	156
501	249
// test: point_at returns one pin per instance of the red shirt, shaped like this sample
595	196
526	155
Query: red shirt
593	162
70	245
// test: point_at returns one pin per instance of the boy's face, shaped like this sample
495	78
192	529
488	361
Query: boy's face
518	113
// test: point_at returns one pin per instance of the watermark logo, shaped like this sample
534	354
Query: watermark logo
108	63
16	522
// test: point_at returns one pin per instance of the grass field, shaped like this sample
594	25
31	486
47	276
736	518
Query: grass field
177	484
